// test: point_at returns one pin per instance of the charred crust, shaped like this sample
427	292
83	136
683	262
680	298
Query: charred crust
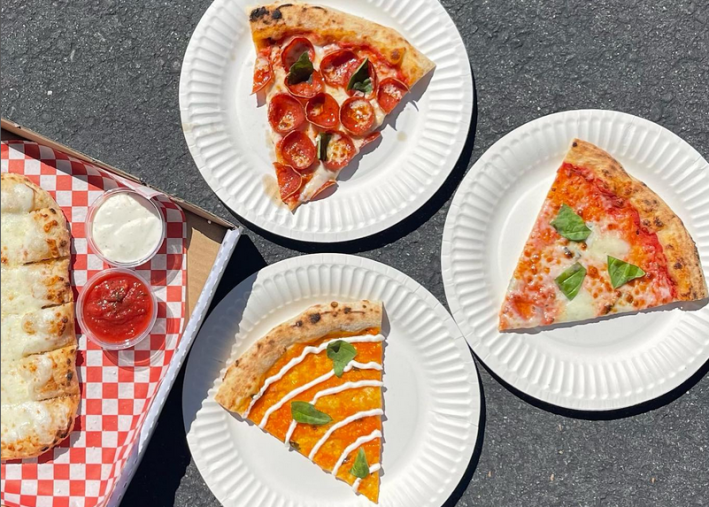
678	265
257	13
298	323
276	14
69	376
347	310
53	211
658	223
575	144
314	318
607	309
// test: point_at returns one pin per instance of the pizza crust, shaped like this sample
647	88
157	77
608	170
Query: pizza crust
274	21
20	195
683	262
244	377
31	429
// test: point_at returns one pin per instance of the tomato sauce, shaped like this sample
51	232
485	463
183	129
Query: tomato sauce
118	307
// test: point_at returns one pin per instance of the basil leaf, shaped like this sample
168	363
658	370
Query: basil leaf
622	272
570	225
323	141
301	70
304	412
360	79
570	280
360	469
341	354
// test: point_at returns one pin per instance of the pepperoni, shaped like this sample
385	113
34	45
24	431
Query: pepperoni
294	49
320	190
323	111
285	113
263	72
306	89
289	180
357	115
340	150
390	94
297	150
372	72
370	139
337	67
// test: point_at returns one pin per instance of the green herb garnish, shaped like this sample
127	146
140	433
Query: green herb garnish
323	141
570	280
360	469
301	70
622	272
341	354
570	225
360	79
304	412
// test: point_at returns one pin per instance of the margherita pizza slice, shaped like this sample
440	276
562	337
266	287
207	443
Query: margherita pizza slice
329	80
315	383
603	243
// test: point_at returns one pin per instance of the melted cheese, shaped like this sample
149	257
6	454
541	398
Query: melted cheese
601	244
322	378
36	332
305	353
34	420
582	307
329	392
25	236
22	381
17	198
32	287
348	420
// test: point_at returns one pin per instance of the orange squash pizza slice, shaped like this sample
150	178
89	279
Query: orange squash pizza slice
315	383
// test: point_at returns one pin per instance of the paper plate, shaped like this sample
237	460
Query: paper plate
603	365
227	133
431	397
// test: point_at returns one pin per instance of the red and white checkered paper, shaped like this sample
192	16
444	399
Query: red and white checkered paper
116	387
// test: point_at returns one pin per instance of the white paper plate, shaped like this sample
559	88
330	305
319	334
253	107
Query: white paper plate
227	133
431	397
595	366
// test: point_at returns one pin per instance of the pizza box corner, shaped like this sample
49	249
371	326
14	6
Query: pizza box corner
211	242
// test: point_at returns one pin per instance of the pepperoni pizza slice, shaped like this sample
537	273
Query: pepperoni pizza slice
315	383
329	80
603	243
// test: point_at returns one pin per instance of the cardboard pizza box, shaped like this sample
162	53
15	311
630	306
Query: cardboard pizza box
210	244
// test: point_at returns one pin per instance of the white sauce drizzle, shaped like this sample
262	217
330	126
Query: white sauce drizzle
374	468
344	422
297	360
354	445
309	385
327	392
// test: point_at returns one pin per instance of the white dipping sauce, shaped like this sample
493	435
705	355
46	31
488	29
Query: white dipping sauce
126	228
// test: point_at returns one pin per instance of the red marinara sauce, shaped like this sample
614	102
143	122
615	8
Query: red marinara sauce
117	307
